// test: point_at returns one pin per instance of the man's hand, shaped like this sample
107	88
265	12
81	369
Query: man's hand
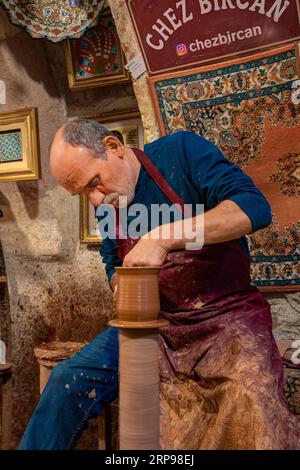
114	281
114	285
147	253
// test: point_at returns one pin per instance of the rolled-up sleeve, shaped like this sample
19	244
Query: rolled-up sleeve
217	180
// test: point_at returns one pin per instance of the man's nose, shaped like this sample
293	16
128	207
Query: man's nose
96	198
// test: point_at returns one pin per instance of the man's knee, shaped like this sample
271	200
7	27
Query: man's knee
71	374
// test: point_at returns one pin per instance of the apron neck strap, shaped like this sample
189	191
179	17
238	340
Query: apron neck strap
158	177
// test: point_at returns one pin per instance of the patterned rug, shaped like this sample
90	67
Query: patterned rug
54	20
246	108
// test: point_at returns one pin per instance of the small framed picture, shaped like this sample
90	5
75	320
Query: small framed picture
128	123
96	59
19	147
130	131
89	232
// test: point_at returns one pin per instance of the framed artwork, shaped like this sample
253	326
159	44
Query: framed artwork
89	232
129	124
96	59
19	148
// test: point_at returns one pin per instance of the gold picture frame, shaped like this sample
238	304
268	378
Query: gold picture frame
88	223
94	62
19	145
130	125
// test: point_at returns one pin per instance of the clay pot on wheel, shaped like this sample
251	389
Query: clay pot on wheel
138	294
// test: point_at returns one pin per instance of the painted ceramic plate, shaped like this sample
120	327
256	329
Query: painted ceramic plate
54	20
98	52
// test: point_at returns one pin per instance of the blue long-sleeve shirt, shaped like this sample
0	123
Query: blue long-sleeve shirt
199	174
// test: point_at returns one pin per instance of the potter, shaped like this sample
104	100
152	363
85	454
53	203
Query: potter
218	361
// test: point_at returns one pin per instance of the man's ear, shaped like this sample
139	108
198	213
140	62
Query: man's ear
112	143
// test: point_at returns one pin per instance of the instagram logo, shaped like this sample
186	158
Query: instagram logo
181	50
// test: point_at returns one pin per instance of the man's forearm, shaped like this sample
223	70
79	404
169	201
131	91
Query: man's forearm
222	223
225	222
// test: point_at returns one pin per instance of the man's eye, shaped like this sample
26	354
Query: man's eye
94	182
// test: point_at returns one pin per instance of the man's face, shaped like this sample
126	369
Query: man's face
102	181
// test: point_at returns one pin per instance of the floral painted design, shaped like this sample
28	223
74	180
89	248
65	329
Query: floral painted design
287	174
54	20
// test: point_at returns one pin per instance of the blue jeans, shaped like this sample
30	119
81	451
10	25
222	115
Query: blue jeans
77	390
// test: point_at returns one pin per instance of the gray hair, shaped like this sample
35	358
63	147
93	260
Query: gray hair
88	134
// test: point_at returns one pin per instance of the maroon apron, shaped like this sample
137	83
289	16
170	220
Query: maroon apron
220	369
198	284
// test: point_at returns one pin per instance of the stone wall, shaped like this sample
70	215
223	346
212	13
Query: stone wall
57	286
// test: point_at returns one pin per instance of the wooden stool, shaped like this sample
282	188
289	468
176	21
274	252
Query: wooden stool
5	405
49	355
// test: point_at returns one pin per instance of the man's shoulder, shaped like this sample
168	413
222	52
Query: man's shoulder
176	139
162	147
168	152
169	138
